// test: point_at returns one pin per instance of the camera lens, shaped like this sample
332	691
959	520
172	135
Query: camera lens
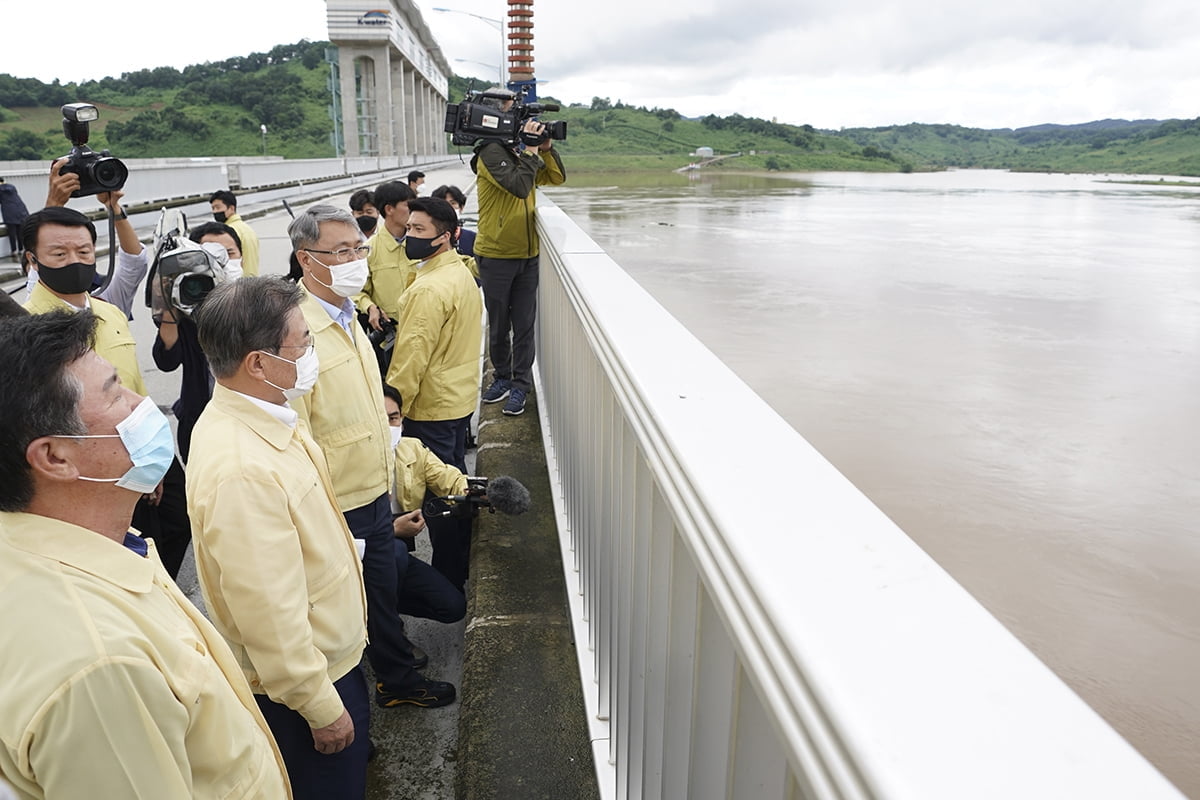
109	173
194	288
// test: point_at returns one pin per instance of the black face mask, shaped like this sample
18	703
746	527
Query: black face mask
69	279
219	216
420	249
367	223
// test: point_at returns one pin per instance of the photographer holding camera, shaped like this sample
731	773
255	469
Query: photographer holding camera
506	247
131	263
84	172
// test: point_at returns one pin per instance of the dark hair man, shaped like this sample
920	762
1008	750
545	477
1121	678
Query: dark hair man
458	201
390	270
115	684
61	244
224	208
131	262
415	179
345	413
362	206
435	362
506	249
278	568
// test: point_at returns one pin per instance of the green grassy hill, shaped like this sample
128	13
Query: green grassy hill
1146	146
216	108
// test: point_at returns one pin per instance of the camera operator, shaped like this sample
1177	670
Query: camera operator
131	263
178	344
506	249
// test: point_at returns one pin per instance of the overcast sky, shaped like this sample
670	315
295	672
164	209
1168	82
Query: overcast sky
852	63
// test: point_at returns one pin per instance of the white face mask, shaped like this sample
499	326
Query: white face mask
348	279
233	269
308	367
396	432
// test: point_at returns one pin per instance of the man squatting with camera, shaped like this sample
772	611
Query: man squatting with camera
506	248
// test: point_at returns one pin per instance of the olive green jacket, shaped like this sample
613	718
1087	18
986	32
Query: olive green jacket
507	198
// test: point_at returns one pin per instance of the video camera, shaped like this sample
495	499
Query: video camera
479	117
98	172
182	273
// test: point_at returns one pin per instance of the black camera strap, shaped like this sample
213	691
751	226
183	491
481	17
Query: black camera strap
113	244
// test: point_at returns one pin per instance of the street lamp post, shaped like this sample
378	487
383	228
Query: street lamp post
499	25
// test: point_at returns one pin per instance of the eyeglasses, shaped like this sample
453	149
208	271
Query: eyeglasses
308	349
346	253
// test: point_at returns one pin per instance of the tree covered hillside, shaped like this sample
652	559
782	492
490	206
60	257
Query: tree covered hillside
210	109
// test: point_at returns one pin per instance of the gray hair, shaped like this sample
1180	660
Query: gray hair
245	315
305	230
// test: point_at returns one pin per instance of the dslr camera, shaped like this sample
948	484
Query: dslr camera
479	117
98	172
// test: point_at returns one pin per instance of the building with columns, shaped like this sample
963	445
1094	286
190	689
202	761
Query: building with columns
390	79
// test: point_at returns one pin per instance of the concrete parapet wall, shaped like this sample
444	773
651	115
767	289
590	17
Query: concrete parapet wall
522	729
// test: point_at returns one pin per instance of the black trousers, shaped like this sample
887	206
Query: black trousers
422	591
450	536
388	649
510	294
320	776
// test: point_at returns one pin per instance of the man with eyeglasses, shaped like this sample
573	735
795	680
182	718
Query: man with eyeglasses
279	570
346	415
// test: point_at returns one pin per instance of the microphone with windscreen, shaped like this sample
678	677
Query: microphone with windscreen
502	493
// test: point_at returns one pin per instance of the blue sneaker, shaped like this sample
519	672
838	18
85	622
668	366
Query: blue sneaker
497	391
516	402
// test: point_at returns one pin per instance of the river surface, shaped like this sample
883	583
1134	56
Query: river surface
1007	364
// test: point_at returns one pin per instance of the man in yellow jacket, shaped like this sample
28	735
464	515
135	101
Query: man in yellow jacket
224	209
60	244
389	269
114	684
435	362
345	413
276	562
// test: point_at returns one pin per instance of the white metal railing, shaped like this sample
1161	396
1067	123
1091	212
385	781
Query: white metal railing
748	624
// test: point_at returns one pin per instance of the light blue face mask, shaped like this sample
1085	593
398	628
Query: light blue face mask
146	434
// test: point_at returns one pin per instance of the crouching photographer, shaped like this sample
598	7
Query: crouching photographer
506	246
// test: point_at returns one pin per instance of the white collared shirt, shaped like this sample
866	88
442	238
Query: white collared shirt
284	413
344	316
